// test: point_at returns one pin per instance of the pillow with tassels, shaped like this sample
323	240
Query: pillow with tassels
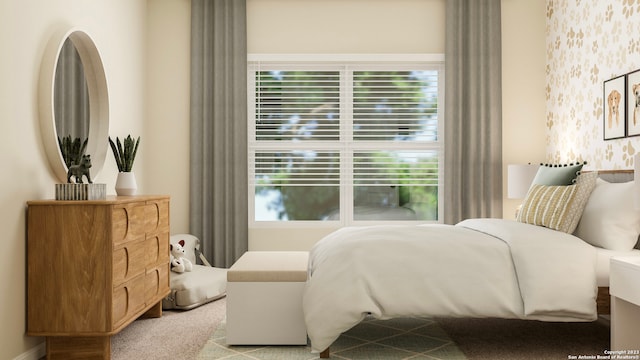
555	174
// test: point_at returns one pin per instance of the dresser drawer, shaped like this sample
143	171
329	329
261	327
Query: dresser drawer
128	299
128	261
157	249
157	216
128	223
157	283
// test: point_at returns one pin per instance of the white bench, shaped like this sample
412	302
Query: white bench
264	298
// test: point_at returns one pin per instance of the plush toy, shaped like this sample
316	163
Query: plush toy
179	262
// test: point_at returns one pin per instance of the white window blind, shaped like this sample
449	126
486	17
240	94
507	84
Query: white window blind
298	168
297	105
345	142
395	105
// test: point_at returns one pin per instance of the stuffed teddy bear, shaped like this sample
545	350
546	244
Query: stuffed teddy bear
179	262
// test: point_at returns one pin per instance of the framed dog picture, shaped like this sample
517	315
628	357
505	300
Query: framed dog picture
633	103
614	109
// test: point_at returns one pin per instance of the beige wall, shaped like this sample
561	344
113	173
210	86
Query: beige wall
345	27
167	91
118	29
523	87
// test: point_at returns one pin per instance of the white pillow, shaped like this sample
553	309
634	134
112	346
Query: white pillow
609	219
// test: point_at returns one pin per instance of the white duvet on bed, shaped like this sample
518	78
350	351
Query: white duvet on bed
478	268
603	263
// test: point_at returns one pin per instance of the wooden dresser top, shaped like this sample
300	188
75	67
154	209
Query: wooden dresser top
110	200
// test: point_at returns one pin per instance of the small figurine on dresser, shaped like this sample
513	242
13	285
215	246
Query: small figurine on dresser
79	170
78	166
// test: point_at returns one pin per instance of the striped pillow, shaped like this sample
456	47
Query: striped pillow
548	206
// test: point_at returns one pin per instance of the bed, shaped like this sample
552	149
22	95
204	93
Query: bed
476	268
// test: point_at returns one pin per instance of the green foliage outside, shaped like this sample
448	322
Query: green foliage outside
388	106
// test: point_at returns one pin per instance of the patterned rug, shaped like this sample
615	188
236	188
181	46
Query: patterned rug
405	338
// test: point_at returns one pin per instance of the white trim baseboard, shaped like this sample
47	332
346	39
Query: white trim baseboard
35	353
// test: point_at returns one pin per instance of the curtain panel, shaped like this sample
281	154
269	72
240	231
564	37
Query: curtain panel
473	110
71	95
218	150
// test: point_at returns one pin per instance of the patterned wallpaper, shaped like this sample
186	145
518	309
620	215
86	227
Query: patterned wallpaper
588	42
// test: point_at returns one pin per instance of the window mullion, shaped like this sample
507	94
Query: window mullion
347	141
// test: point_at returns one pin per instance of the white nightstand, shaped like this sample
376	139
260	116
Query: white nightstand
624	287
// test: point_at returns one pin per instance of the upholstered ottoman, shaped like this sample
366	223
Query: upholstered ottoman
264	298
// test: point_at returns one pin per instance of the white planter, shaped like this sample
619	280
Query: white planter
126	184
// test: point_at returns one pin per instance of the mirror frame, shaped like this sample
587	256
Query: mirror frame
98	101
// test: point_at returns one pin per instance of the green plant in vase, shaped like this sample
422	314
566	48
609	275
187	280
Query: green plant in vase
125	152
72	149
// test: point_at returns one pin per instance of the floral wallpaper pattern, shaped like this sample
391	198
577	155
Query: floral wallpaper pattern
588	42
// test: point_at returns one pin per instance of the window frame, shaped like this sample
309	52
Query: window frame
352	62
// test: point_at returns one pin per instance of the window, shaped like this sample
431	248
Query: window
345	141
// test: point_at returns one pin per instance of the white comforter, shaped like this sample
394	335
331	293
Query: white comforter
477	268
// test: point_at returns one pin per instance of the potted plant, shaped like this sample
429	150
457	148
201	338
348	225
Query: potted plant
125	154
72	149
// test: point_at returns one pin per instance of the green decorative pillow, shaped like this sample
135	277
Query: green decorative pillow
557	174
548	206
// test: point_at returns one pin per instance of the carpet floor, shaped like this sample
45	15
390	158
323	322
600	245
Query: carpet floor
527	339
438	339
405	338
199	334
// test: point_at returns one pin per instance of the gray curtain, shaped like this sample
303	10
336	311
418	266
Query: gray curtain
218	175
473	110
71	95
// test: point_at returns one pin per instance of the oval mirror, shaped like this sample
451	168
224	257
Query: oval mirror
74	107
71	104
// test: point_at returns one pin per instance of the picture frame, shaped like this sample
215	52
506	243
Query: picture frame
614	114
633	103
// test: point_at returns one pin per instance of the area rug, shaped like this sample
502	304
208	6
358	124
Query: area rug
512	339
404	338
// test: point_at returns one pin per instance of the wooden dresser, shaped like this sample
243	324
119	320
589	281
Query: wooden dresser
93	267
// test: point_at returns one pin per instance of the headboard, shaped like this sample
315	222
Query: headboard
616	176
